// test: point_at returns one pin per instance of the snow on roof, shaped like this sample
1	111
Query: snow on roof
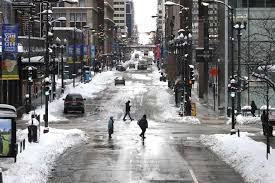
7	111
66	29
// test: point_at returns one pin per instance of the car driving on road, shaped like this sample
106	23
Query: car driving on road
119	80
74	102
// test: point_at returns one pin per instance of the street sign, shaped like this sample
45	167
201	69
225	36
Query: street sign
213	71
203	55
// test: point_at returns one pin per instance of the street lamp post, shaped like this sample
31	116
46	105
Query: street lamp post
54	48
62	47
239	26
183	54
74	52
232	87
46	58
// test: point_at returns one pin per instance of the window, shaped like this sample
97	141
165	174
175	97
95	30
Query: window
256	3
78	17
84	17
81	3
72	19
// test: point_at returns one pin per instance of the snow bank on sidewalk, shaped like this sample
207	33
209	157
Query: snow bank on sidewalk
165	103
246	120
88	90
35	163
245	155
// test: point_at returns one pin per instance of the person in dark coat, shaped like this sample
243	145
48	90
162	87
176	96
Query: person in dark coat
253	108
127	110
264	119
111	127
143	124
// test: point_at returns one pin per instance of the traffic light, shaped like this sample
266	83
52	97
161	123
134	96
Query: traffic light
30	75
47	86
191	74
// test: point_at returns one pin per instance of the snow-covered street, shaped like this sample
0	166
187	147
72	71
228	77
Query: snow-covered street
176	148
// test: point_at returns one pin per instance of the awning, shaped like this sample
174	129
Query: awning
37	59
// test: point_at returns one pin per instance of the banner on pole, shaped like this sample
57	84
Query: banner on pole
9	66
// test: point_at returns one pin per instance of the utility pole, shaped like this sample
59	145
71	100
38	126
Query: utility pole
74	53
46	130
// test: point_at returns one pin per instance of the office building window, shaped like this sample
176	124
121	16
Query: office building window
258	3
81	3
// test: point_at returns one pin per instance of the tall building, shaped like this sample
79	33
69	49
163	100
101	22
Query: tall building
108	26
130	18
84	13
257	43
120	16
160	19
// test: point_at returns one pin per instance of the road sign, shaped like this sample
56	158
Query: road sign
213	71
203	55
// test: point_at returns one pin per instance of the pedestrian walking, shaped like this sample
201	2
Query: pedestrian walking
253	108
127	110
264	119
111	127
143	124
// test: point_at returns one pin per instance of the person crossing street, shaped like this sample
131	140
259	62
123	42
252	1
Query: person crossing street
127	111
143	124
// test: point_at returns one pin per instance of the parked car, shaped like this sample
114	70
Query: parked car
119	67
119	80
74	102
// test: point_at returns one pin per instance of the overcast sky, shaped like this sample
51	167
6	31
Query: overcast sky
144	9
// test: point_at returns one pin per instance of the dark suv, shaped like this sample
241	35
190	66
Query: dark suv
74	102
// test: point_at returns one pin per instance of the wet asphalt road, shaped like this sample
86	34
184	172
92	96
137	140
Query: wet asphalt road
171	151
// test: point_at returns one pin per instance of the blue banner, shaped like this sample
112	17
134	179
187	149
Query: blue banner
9	68
71	50
78	50
10	38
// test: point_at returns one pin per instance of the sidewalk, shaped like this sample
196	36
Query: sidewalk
205	111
